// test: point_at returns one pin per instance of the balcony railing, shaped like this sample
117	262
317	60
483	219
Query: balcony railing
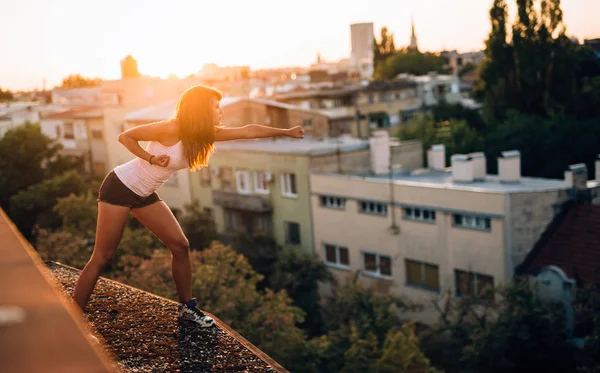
244	202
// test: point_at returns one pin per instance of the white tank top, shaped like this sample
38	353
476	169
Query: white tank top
143	178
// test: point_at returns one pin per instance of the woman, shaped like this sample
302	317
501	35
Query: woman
185	141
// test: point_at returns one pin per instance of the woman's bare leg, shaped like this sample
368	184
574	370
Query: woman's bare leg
111	223
160	220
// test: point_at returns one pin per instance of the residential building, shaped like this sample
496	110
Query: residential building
14	114
360	109
457	60
419	233
238	111
594	44
89	96
81	133
361	55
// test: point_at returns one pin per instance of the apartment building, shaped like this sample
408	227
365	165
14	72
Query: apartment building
361	109
424	232
81	132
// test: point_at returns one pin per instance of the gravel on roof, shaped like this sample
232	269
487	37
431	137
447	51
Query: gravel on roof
142	333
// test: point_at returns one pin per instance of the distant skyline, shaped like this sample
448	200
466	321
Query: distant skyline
52	39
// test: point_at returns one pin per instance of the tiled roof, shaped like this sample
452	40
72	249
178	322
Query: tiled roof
573	245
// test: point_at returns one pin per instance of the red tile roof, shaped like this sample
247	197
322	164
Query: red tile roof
574	246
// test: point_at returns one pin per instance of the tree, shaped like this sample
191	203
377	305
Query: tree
300	275
34	205
410	62
401	352
540	72
472	331
5	95
28	157
198	226
261	251
78	81
384	48
467	68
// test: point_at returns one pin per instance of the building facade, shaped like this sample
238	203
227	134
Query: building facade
425	232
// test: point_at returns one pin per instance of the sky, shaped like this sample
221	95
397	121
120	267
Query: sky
50	39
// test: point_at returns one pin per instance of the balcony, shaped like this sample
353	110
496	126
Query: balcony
244	202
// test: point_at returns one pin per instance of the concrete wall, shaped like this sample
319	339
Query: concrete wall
356	161
409	154
439	243
530	214
284	208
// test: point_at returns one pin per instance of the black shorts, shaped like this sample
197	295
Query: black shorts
113	191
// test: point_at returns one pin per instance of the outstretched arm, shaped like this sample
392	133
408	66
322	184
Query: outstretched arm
256	131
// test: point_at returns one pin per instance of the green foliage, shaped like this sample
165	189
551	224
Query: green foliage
262	253
78	213
28	157
540	71
529	333
383	48
401	353
300	275
409	62
78	81
63	247
467	68
198	226
362	354
34	204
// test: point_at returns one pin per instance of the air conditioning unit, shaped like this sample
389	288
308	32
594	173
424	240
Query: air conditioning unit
215	171
268	176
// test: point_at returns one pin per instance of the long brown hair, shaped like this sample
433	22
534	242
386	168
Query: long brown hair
197	124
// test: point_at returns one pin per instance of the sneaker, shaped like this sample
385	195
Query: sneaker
189	312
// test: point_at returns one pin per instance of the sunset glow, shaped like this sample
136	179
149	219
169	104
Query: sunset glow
62	37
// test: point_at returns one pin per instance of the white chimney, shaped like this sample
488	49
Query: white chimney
598	168
509	166
479	166
379	145
462	168
576	176
436	157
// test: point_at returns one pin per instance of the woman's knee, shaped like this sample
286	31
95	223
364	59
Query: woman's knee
179	246
102	259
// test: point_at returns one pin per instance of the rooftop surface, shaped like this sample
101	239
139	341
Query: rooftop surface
572	246
166	110
443	179
142	333
306	146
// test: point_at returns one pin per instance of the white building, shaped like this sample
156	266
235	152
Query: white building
361	57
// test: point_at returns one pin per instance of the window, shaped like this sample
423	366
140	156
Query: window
58	132
371	99
411	213
333	202
97	133
99	168
406	115
470	283
69	131
173	181
242	179
336	255
230	220
205	177
209	212
380	265
227	178
288	185
307	124
422	274
472	222
373	208
262	224
292	233
261	182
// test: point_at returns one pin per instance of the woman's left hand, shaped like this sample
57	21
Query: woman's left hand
296	132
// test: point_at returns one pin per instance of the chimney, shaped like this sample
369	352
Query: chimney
479	166
379	145
509	166
576	176
436	157
598	168
462	168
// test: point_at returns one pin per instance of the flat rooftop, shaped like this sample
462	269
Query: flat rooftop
306	146
443	180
